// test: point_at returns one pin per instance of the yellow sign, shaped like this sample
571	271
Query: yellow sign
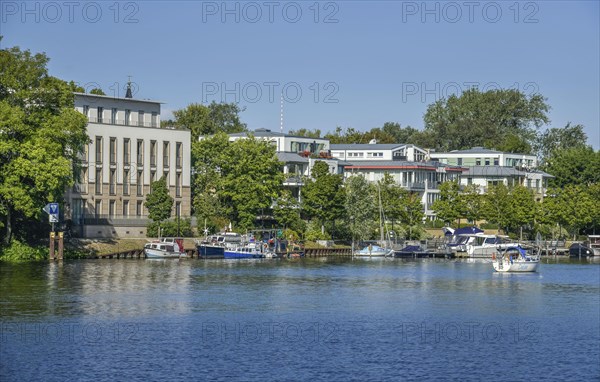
60	235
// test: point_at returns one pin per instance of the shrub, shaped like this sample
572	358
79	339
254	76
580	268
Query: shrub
18	251
169	228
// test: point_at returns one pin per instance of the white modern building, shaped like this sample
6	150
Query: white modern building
128	151
298	155
485	167
405	163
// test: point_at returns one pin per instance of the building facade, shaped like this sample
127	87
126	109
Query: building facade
128	151
485	168
406	164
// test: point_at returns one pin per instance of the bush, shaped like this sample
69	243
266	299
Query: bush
313	232
169	228
18	251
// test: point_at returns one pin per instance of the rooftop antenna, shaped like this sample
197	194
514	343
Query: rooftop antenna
128	94
281	119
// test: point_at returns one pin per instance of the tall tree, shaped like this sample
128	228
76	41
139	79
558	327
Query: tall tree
412	214
158	202
41	136
391	198
522	208
448	207
496	204
579	165
287	211
571	206
360	207
208	120
408	135
555	140
471	200
316	133
322	194
495	118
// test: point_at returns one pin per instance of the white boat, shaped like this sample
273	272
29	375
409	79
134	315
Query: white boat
482	246
374	251
165	248
515	259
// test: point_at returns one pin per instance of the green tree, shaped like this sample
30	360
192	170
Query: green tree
496	205
158	202
571	206
522	208
408	135
316	133
41	135
360	207
351	135
287	211
204	120
493	119
322	194
555	140
391	198
579	165
252	180
471	200
448	207
412	214
97	91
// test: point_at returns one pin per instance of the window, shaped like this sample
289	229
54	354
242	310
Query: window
478	162
178	154
98	208
140	152
113	182
153	176
111	208
100	114
138	208
496	161
154	119
113	150
86	110
487	161
165	154
125	182
459	161
126	155
166	176
469	180
113	116
140	118
152	153
178	209
140	183
98	181
125	207
99	150
127	116
178	185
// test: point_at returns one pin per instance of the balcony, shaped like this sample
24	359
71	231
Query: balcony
122	122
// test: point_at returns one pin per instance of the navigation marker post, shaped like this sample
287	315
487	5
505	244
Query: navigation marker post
52	210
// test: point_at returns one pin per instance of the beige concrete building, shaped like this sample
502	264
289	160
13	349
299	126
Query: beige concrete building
128	151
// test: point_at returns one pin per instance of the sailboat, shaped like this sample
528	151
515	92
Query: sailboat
375	250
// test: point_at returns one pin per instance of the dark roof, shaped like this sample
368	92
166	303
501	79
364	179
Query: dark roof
288	157
262	133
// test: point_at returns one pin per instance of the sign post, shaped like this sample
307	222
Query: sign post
53	211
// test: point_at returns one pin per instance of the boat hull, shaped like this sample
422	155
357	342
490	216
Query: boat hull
158	254
211	252
516	266
242	255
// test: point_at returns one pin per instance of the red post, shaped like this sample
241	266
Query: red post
60	245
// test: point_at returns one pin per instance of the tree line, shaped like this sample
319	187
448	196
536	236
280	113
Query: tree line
41	136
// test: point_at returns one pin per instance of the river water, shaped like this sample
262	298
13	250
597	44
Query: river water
308	319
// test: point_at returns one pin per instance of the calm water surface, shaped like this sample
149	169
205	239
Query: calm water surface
326	320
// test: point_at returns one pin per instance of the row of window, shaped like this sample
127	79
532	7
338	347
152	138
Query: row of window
127	181
126	208
115	114
113	157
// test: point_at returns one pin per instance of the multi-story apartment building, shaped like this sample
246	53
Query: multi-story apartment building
128	151
405	163
298	155
485	167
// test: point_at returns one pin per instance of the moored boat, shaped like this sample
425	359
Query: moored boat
515	259
374	251
252	250
165	248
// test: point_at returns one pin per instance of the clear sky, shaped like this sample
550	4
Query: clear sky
337	63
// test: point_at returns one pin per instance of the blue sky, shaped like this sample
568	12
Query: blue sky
337	63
